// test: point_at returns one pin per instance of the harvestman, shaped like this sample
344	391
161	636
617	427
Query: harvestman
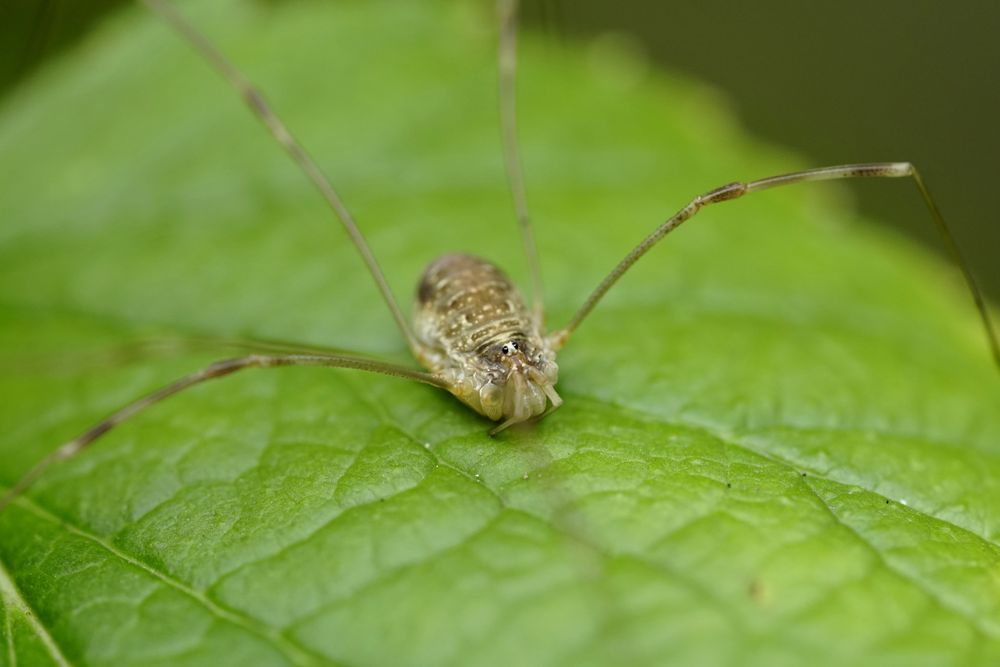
471	329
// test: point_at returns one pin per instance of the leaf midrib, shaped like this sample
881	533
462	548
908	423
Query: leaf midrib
12	598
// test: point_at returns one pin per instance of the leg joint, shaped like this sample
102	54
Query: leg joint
724	193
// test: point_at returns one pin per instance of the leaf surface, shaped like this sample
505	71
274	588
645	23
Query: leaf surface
780	442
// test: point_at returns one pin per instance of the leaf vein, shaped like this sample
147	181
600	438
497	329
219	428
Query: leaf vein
974	622
296	653
13	598
651	417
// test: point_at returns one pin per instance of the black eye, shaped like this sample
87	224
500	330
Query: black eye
505	349
515	346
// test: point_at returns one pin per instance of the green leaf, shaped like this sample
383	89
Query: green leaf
780	442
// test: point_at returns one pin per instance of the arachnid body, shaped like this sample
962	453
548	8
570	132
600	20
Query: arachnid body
478	335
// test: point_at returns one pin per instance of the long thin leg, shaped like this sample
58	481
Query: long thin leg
211	343
736	190
259	106
217	370
511	156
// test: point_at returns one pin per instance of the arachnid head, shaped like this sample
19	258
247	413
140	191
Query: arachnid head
524	384
514	381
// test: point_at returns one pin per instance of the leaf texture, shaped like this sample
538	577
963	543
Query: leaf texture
780	443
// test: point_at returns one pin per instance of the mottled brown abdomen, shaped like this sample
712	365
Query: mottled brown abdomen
464	304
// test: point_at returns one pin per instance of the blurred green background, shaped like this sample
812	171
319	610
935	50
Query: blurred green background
842	82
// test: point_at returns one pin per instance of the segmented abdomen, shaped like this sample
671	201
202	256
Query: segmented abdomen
465	304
